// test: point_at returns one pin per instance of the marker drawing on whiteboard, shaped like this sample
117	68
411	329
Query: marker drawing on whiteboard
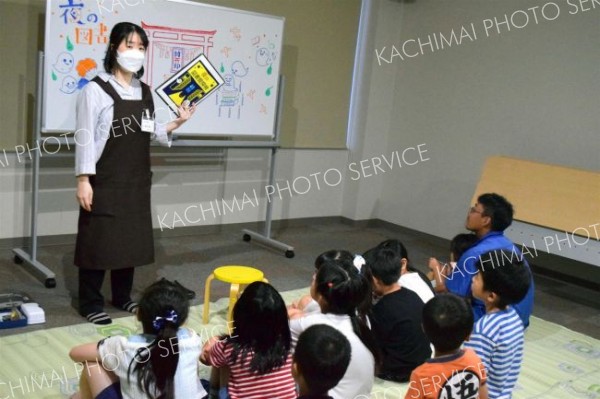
239	69
64	63
230	98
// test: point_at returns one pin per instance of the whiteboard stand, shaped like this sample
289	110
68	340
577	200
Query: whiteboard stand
248	235
21	256
265	238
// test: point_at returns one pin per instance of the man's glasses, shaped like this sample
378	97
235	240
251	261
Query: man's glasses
473	209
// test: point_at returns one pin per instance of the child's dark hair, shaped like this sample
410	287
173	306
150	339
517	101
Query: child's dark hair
163	308
400	250
505	274
447	321
261	328
344	289
334	254
345	259
396	246
384	265
122	31
460	243
322	356
498	209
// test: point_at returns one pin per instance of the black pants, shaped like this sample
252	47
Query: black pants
90	286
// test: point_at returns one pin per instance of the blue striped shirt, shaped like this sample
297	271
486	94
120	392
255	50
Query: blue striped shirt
498	339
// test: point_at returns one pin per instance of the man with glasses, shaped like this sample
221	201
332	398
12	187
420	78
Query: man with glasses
488	218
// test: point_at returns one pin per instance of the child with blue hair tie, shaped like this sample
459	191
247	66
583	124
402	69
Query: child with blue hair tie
160	362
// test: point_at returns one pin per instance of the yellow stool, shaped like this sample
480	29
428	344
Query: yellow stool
237	276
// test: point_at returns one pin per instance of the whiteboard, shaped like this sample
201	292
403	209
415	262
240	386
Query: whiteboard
245	47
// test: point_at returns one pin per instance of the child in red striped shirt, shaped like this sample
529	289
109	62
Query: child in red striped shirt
257	352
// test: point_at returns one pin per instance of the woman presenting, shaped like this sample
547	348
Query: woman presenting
112	165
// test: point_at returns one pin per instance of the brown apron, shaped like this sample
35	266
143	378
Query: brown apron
117	233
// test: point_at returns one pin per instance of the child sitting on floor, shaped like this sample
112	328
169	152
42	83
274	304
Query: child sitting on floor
161	362
452	372
258	353
410	277
321	358
307	305
498	337
339	290
458	246
396	319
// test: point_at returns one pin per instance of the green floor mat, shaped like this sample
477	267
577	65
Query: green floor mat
558	363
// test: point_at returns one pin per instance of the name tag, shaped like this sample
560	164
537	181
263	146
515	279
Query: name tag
147	122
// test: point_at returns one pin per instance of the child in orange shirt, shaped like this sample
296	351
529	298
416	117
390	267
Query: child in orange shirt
452	372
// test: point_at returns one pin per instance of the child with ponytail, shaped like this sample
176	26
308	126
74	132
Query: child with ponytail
307	305
340	289
162	362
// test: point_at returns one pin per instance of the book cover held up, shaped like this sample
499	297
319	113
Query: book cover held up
194	82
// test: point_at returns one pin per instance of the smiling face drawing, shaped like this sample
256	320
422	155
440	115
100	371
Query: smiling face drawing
238	69
64	63
69	85
263	56
229	81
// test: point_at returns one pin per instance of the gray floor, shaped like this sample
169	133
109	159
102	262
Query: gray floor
189	259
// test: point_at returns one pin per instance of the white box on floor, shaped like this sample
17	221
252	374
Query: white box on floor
35	314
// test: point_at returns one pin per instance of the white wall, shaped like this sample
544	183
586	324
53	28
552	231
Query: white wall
528	93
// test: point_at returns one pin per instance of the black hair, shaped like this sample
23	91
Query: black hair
163	308
505	274
344	289
447	321
385	264
345	259
122	31
460	243
396	246
334	254
322	356
399	248
498	209
261	329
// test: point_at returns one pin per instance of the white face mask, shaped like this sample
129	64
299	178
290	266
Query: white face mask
131	60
